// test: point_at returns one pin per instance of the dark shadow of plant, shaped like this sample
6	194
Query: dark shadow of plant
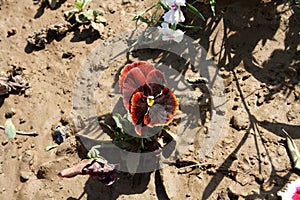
248	27
85	24
44	4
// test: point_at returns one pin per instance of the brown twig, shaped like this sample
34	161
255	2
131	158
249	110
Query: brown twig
23	133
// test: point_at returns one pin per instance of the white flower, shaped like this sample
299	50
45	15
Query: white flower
292	192
169	34
174	15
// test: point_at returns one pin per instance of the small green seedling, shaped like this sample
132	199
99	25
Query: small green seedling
81	15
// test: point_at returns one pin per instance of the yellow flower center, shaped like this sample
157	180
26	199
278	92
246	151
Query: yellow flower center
150	101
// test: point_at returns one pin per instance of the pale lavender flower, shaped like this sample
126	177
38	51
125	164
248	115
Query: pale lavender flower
174	15
169	34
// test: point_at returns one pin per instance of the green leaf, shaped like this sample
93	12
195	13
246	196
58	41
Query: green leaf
212	4
293	151
79	4
89	15
86	3
118	118
164	5
96	12
69	14
195	11
81	18
124	123
10	129
138	15
94	152
188	26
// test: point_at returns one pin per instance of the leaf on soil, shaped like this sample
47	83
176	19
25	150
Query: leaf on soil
98	27
10	129
100	19
293	151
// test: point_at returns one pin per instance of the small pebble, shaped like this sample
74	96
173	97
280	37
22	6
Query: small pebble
211	171
10	113
111	8
125	2
24	176
191	148
281	151
22	121
4	142
13	155
11	32
259	178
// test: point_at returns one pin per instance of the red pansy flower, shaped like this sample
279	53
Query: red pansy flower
146	96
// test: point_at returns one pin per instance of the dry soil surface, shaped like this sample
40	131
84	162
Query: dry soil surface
254	44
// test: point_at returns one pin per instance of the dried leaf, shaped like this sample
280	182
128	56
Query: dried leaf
10	129
98	27
100	19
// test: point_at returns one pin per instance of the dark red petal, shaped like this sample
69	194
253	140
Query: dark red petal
138	108
134	80
156	80
161	113
142	65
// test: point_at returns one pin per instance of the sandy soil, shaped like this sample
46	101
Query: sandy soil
256	48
